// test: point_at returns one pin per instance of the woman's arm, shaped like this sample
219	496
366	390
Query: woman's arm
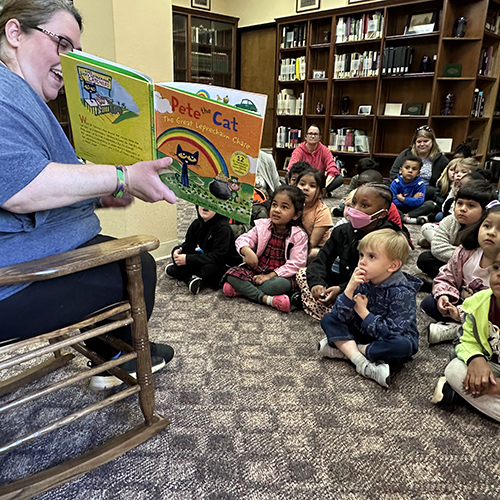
59	185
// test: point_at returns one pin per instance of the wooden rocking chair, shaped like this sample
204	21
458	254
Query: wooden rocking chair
131	312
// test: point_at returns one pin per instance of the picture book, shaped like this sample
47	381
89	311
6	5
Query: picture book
213	134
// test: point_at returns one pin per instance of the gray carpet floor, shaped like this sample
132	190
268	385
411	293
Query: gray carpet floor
256	414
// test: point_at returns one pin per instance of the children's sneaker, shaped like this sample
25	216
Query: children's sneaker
443	393
229	290
327	351
442	332
282	303
423	243
170	270
380	372
161	354
194	285
296	301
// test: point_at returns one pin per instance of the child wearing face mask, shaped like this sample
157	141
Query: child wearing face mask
319	285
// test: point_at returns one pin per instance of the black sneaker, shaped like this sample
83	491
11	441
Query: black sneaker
194	285
161	354
170	271
337	212
444	394
296	301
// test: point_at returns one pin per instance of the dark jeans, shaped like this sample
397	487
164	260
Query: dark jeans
426	208
428	264
393	348
45	306
337	182
429	306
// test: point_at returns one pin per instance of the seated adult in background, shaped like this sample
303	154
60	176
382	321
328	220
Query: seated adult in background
47	199
319	157
267	178
425	147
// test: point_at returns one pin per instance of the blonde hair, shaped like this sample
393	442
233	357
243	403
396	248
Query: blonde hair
428	134
471	163
392	243
444	180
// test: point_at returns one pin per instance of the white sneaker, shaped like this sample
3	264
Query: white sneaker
380	372
442	332
327	351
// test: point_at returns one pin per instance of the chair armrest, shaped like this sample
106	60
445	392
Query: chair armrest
77	260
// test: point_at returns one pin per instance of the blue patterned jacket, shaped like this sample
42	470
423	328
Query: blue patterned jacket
392	305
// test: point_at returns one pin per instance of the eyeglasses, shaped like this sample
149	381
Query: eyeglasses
424	127
312	134
64	45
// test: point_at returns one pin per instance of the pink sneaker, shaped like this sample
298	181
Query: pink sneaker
229	290
282	303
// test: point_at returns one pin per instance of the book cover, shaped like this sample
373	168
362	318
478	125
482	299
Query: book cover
213	134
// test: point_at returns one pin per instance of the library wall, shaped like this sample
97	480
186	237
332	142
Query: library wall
259	11
124	31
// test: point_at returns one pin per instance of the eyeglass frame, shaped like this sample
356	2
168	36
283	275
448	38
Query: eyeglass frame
60	38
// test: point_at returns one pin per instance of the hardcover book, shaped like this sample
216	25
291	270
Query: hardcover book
213	134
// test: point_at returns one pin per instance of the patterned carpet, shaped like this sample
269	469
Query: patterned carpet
256	414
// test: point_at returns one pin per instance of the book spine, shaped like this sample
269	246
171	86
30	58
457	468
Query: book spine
474	103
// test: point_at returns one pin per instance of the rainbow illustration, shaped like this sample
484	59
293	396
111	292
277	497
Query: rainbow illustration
192	141
203	93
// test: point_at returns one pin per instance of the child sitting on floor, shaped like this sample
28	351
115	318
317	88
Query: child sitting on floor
475	373
319	284
207	252
316	217
466	273
373	322
472	199
408	190
274	250
295	171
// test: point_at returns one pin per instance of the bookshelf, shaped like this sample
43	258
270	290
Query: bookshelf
204	47
347	53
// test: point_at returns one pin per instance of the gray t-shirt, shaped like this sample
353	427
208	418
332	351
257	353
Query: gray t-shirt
30	139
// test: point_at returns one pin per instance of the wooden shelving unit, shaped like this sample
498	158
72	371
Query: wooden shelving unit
204	47
389	135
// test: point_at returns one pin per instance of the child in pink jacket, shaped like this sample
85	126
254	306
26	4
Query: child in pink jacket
274	250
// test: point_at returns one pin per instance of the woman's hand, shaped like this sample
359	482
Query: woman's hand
143	181
479	377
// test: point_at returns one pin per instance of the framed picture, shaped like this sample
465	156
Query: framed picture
303	5
318	74
422	22
201	4
364	110
414	108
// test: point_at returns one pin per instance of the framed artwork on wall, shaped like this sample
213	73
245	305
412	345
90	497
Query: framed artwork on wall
305	5
201	4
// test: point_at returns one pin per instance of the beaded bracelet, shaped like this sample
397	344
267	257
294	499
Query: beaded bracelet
121	186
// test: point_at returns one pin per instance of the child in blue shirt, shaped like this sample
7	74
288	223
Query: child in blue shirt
373	322
408	190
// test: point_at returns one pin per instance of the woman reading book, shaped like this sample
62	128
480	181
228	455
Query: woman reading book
47	199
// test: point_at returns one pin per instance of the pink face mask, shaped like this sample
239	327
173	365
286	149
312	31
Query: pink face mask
359	219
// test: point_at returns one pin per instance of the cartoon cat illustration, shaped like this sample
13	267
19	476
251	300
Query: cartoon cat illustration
187	159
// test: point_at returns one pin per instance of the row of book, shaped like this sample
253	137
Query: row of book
349	140
493	21
486	62
477	110
356	64
397	60
292	69
294	35
216	61
287	137
364	27
288	104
